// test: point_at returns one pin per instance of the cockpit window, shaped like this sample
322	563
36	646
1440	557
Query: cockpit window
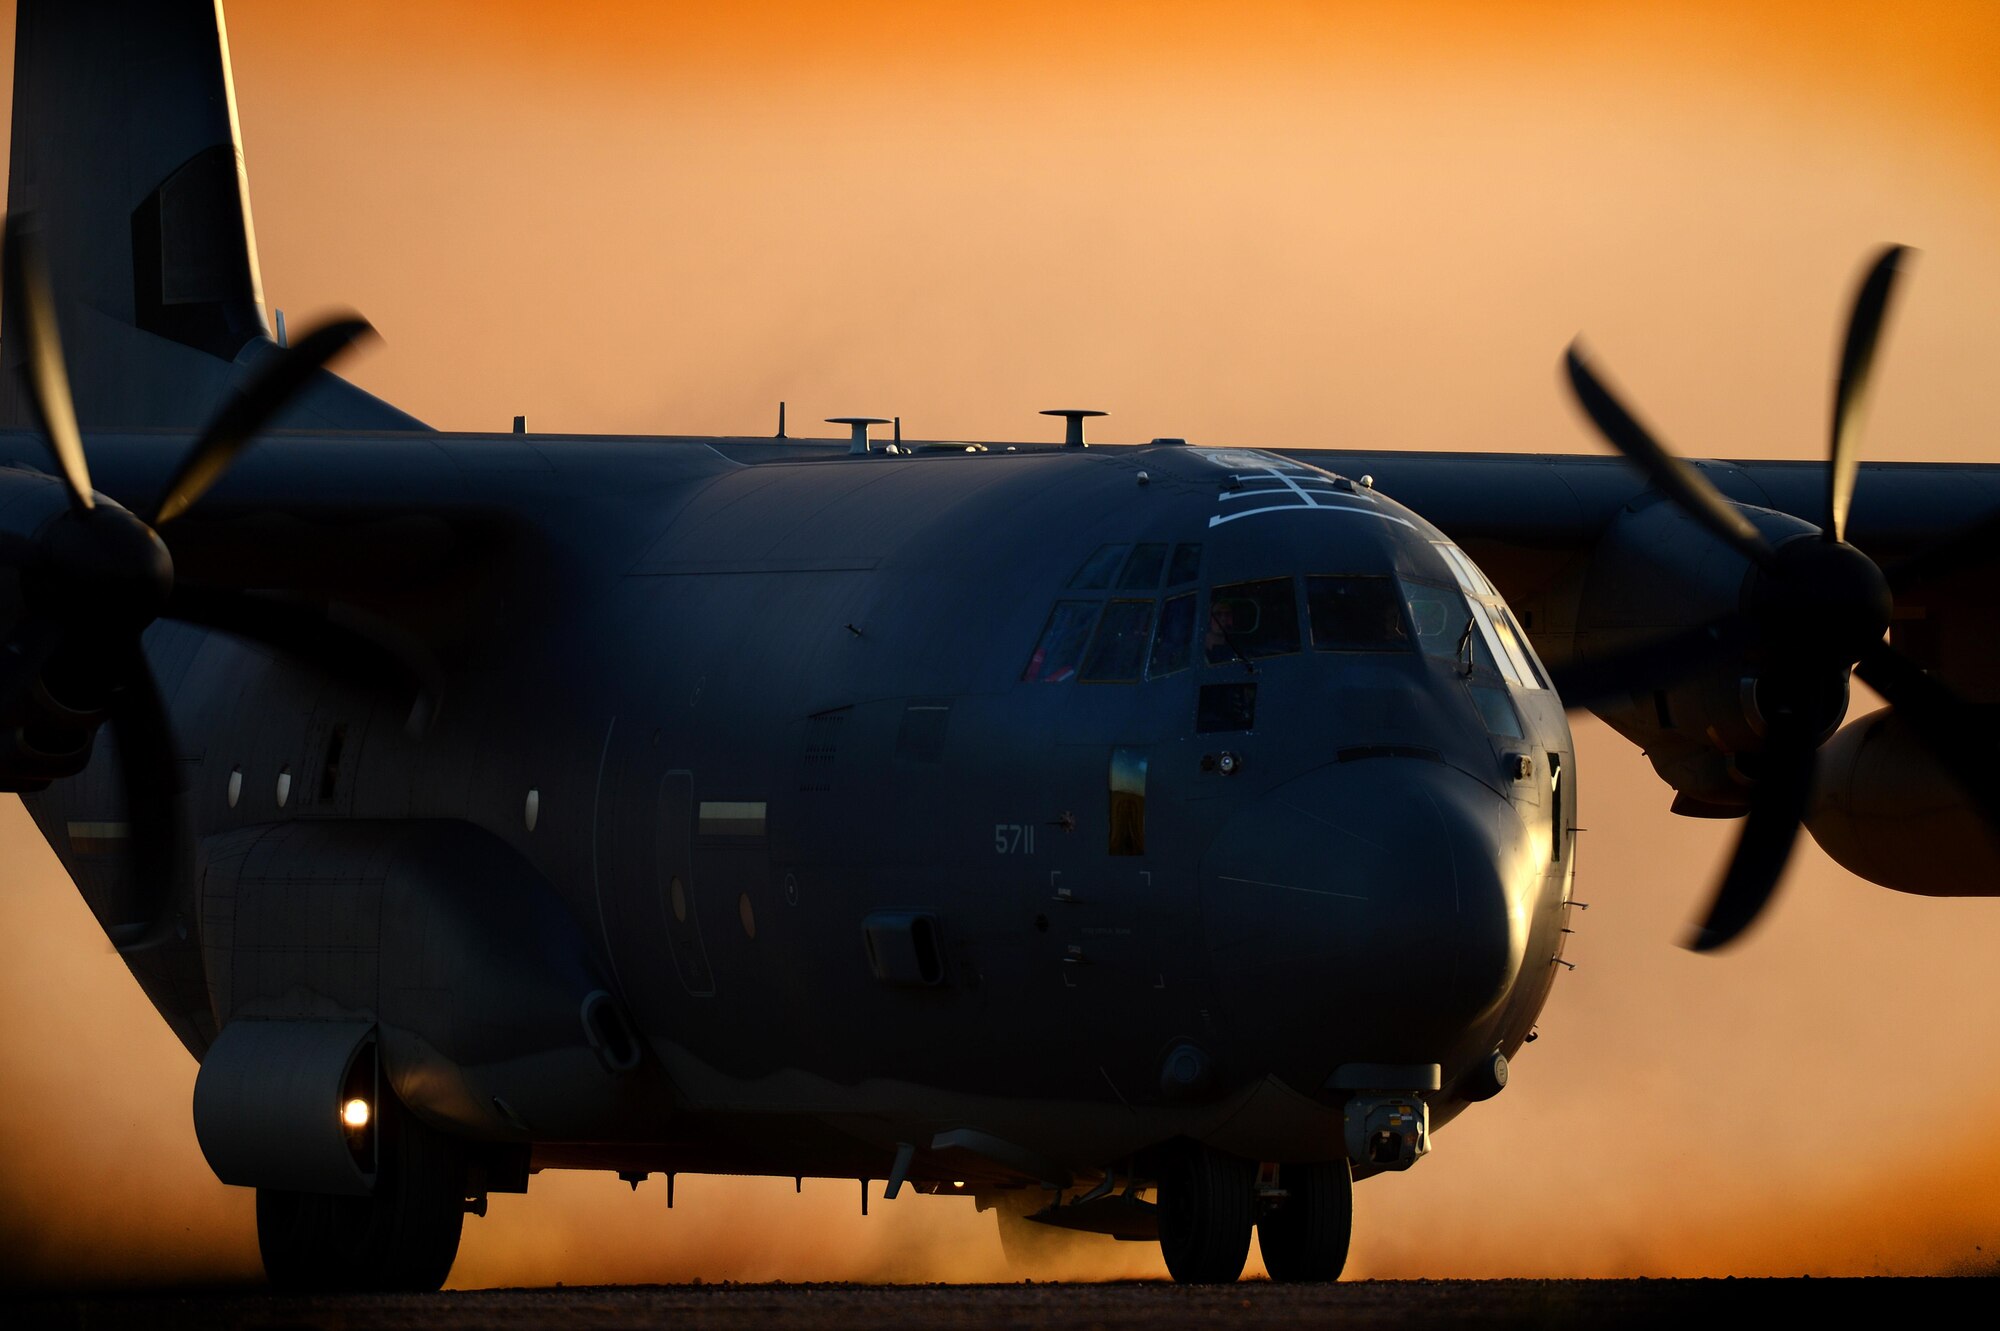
1495	655
1174	638
1186	566
1440	617
1061	645
1470	579
1142	570
1355	614
1247	620
1119	650
1516	643
1098	570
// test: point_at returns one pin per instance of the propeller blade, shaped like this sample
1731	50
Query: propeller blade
251	409
150	776
27	279
1850	392
1957	733
1657	663
1777	808
1673	477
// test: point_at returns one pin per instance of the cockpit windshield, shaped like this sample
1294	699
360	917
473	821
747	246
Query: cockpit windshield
1247	620
1355	614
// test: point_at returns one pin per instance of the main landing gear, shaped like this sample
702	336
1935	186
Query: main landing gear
403	1237
1209	1202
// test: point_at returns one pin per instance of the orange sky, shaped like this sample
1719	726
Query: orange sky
1260	224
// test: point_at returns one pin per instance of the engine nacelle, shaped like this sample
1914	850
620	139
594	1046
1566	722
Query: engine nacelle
1885	810
1655	575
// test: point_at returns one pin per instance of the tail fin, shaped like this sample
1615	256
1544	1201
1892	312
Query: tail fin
126	153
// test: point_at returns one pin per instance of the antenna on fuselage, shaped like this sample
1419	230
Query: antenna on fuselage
858	444
781	420
283	341
1073	418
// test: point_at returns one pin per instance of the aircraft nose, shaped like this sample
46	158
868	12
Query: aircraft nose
1368	911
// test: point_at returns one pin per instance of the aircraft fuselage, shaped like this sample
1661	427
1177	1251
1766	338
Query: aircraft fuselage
894	796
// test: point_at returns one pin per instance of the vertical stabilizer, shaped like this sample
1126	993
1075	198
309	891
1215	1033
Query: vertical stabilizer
126	155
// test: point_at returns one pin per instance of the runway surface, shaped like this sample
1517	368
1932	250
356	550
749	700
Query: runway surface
1140	1306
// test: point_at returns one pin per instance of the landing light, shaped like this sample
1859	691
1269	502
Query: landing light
355	1114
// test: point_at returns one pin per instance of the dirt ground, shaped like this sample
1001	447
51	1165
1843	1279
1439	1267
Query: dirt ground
1140	1306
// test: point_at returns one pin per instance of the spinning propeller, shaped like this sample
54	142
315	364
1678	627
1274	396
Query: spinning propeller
94	578
1816	610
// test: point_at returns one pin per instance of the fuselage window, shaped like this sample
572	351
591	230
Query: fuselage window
1119	649
1175	637
1355	614
1247	620
1186	566
1061	644
1142	570
1098	570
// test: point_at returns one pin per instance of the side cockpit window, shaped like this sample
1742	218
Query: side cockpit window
1060	648
1174	638
1504	646
1143	569
1440	617
1119	650
1098	570
1136	637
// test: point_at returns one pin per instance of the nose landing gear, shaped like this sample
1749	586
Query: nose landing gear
1304	1231
1209	1201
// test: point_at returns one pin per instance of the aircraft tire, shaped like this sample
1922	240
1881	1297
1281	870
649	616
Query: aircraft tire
1304	1238
1207	1207
404	1237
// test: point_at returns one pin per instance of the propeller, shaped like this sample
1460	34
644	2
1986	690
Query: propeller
1816	611
100	575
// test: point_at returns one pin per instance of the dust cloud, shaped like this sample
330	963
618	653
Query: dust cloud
1266	224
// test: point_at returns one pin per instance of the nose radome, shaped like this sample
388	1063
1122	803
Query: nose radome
1377	908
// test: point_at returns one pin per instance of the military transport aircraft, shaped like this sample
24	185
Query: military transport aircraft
1192	845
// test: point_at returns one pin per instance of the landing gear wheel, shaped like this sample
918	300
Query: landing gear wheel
404	1237
1207	1206
1304	1236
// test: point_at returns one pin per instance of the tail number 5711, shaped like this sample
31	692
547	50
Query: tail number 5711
1013	838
